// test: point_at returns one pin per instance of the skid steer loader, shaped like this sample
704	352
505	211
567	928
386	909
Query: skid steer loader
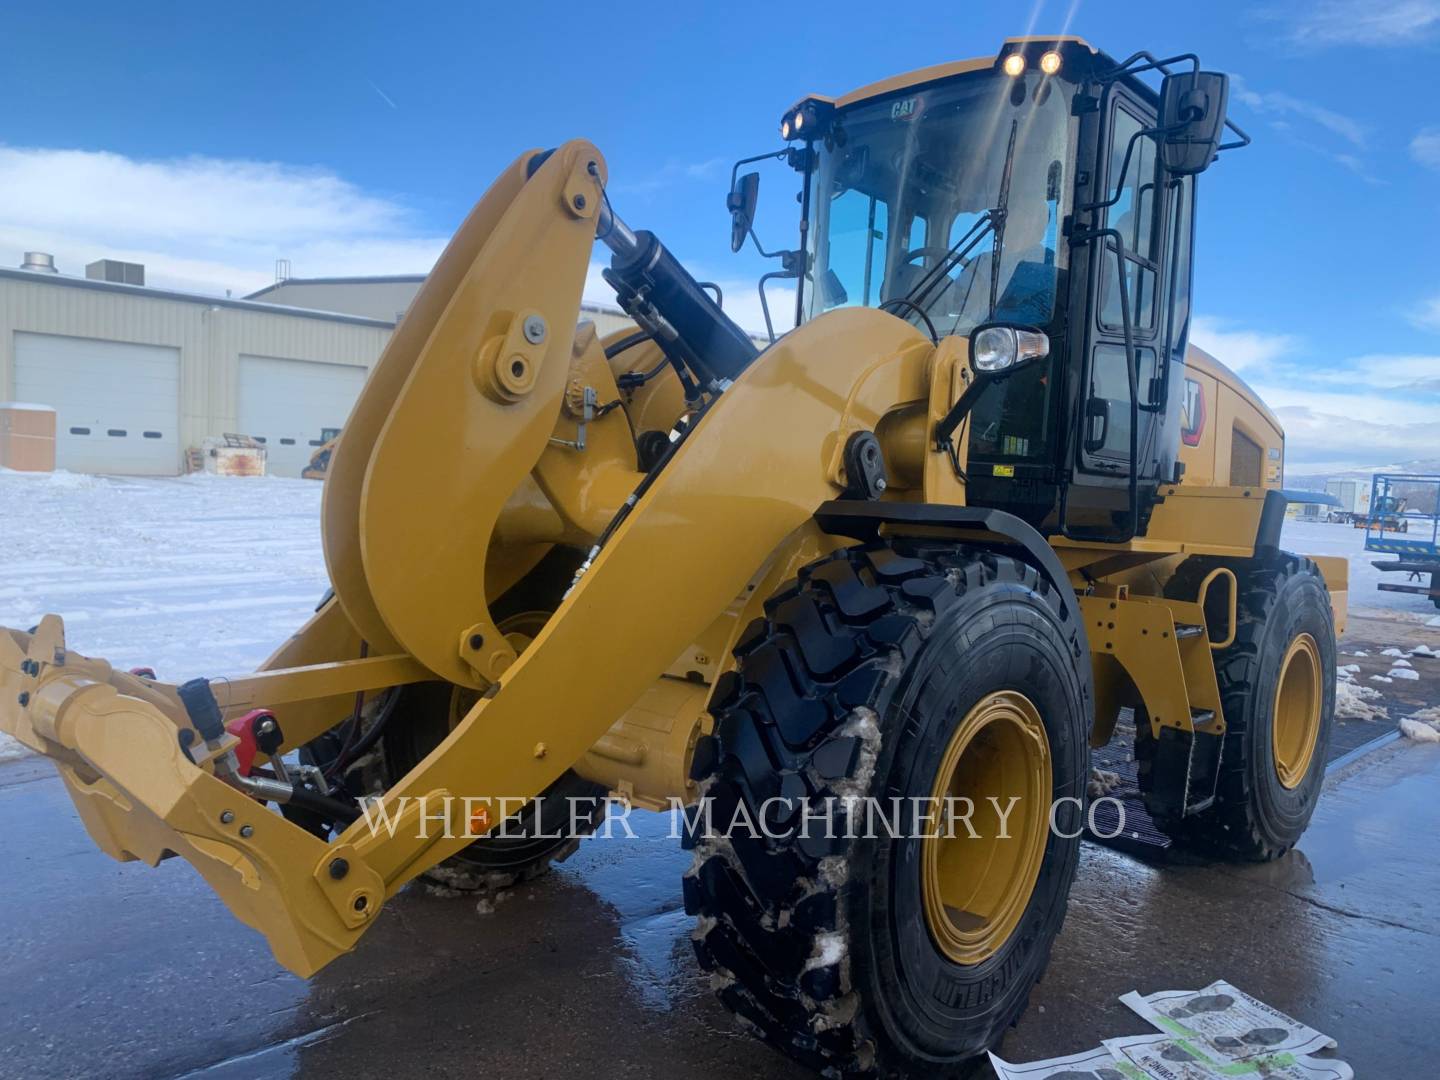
922	550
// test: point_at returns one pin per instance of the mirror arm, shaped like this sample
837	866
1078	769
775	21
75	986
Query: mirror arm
735	169
1244	139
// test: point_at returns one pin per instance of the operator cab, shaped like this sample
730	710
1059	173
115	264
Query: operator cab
1021	190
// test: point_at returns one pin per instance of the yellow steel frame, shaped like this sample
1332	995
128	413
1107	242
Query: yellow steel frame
455	474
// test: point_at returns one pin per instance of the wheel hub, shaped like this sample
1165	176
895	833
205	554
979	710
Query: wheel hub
1298	700
977	887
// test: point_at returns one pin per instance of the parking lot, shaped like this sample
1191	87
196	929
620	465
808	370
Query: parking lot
123	971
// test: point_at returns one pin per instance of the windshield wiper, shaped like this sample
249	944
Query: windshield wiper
990	221
1002	210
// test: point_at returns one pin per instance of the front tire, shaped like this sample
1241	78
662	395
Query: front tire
1277	692
891	672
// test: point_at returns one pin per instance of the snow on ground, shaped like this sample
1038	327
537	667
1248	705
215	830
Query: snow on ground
206	575
194	575
1323	538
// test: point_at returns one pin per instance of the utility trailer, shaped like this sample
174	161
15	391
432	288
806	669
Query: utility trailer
1353	496
1411	532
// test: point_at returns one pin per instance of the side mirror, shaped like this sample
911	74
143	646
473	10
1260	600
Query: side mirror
741	204
1192	118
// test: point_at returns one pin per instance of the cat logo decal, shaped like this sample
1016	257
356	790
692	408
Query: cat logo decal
1192	416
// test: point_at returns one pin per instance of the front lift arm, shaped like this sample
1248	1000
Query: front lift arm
753	472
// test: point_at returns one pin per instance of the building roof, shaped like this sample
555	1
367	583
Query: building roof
35	277
381	279
407	279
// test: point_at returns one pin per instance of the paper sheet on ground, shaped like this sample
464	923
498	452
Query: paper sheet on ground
1168	1057
1227	1023
1097	1064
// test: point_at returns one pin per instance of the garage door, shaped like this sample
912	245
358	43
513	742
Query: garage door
289	404
117	405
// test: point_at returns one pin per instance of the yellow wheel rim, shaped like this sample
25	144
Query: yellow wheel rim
976	888
1299	697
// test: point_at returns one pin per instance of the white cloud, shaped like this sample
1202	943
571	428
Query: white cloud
1366	410
1298	119
207	224
1361	22
1279	103
1239	349
1425	147
668	175
1389	372
1427	315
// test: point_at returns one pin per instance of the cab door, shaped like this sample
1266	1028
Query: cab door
1133	257
1138	280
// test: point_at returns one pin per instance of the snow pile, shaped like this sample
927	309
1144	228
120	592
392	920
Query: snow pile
1407	673
1392	651
1424	650
1356	702
1381	678
1433	622
12	749
1423	726
1414	729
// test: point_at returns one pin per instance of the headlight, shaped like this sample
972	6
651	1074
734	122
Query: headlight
1014	64
998	348
807	119
1050	62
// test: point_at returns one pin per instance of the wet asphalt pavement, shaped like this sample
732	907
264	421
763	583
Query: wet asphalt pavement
110	970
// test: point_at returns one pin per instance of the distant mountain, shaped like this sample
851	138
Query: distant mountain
1314	481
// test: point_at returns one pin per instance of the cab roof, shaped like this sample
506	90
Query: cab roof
935	72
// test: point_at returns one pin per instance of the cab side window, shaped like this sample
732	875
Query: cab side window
1133	216
858	230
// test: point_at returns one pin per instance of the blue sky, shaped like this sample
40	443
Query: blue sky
208	142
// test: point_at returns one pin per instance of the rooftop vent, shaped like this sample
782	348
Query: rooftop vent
124	273
40	262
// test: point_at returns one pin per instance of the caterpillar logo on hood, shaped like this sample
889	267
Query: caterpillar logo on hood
1192	416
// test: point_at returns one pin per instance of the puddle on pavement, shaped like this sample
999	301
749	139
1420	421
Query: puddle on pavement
639	877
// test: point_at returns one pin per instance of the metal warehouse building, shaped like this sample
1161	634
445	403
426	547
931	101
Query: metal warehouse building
138	375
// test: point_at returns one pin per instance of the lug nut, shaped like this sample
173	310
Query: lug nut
247	831
226	817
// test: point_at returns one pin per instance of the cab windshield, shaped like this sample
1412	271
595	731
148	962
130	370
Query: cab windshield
943	205
901	180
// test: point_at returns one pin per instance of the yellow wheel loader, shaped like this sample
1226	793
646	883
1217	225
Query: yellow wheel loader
863	601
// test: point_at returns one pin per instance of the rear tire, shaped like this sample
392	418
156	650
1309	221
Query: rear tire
853	686
1269	782
545	831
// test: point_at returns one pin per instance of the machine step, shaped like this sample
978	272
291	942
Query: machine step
1201	717
1188	630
